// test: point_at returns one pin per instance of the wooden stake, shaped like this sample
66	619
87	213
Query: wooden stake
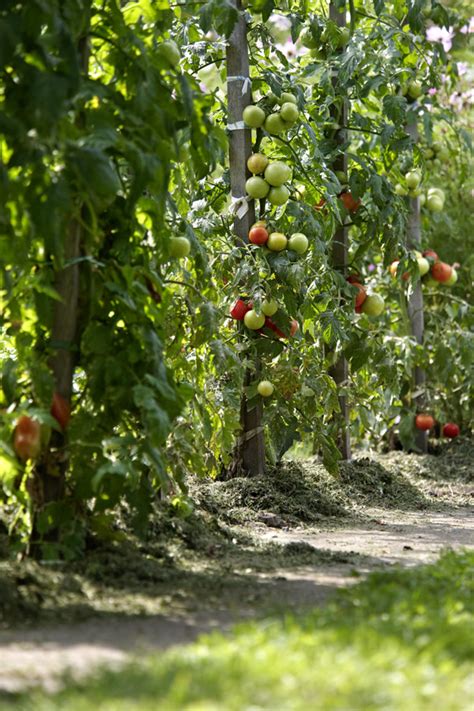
415	302
250	452
340	248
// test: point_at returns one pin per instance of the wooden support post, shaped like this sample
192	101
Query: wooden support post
48	483
340	245
415	302
250	452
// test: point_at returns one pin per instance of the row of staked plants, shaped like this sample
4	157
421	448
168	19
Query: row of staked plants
122	370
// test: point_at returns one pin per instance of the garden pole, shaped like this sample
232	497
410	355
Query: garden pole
49	476
340	243
250	452
415	301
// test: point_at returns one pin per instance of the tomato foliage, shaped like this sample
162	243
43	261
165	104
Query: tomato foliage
104	135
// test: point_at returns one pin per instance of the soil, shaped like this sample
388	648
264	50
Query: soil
252	547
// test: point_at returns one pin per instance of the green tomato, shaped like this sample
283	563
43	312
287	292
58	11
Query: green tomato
253	320
269	307
277	173
373	305
415	89
265	388
257	163
300	191
452	279
298	242
342	177
413	179
274	124
423	266
179	247
277	241
434	203
257	188
169	51
437	191
289	112
286	97
400	190
429	281
279	195
253	116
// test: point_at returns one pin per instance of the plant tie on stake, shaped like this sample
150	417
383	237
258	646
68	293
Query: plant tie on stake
238	126
246	85
239	206
250	434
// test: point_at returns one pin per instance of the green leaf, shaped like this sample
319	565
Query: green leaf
406	431
94	171
220	15
395	108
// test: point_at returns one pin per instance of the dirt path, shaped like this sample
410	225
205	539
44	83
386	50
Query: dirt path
41	655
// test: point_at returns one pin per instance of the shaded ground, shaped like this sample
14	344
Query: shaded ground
284	541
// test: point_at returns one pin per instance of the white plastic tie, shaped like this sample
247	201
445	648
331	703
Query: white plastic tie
238	126
246	82
239	206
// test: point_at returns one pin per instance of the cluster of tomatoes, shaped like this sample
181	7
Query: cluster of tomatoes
439	272
425	423
350	203
268	179
431	269
370	304
274	114
263	324
29	435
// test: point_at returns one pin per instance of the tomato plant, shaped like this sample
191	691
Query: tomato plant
119	267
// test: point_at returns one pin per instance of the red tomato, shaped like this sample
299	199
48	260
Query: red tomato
258	235
451	430
349	202
440	271
294	327
424	422
61	410
239	309
26	438
361	294
354	279
393	271
273	327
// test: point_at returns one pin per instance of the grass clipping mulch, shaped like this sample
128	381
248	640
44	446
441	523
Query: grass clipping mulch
201	557
304	492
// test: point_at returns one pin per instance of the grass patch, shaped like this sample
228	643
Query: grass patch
402	639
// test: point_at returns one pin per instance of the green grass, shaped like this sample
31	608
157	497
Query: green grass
399	640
